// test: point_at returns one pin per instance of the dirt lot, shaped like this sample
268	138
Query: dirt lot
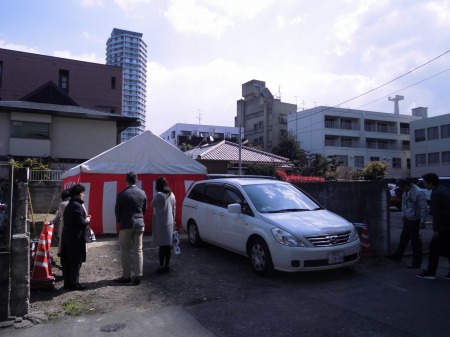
193	278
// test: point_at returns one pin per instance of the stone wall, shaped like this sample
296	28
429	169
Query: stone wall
358	202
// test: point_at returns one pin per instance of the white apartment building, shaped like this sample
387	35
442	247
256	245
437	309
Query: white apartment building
430	146
127	50
357	137
195	133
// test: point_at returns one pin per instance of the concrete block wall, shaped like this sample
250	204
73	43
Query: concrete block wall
358	202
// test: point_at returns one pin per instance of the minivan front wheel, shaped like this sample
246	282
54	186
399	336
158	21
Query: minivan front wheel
193	235
260	256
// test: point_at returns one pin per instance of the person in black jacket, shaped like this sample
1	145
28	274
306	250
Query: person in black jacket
131	204
73	244
440	211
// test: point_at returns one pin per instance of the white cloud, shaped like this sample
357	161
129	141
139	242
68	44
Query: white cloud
18	47
92	3
87	57
211	18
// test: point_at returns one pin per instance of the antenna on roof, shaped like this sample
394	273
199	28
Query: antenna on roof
396	99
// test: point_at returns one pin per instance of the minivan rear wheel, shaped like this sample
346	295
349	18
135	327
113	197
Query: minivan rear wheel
193	235
260	256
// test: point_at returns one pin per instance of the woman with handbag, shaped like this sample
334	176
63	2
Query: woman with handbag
163	223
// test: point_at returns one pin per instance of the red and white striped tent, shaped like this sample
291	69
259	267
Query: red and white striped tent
150	157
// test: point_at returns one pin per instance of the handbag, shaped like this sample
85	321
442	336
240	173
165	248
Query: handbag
176	243
90	235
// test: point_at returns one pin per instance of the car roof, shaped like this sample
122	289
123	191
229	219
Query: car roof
242	181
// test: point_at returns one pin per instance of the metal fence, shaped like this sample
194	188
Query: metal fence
46	175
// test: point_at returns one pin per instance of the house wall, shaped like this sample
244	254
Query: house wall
90	84
81	139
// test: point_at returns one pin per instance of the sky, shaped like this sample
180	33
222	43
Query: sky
346	53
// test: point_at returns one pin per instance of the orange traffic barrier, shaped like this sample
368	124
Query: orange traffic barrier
42	275
363	231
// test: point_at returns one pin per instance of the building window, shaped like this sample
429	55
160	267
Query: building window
433	159
419	135
446	158
408	163
185	133
283	119
433	133
113	82
421	160
261	124
374	158
359	161
283	133
32	130
64	80
445	129
172	134
342	160
346	124
397	163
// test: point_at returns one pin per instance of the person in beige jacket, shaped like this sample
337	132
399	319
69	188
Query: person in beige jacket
163	223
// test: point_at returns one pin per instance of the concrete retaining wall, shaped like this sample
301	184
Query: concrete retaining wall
358	202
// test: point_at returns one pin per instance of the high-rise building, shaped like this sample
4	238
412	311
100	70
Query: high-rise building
127	50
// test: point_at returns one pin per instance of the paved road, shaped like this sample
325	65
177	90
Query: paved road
378	298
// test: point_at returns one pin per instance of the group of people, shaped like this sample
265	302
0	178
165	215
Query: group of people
131	205
414	215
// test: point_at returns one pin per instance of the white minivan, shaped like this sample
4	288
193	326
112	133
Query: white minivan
273	222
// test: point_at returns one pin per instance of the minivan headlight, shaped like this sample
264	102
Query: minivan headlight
353	235
286	238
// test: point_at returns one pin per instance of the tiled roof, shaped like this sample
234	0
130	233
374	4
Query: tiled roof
64	111
229	151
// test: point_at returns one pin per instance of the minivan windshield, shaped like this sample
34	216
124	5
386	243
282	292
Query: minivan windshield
279	198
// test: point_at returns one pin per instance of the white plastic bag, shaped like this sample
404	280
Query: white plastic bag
176	243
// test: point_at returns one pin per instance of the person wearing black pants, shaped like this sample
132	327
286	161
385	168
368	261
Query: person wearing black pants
163	222
414	211
440	211
73	245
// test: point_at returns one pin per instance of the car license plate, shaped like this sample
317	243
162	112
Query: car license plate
336	257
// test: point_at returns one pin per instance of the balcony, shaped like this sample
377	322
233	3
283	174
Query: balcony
341	126
380	128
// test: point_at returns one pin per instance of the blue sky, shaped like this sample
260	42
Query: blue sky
323	52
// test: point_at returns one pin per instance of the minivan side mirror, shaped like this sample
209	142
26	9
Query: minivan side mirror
234	208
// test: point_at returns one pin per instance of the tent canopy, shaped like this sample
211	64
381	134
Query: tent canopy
145	153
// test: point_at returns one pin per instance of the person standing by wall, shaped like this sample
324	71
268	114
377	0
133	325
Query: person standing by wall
164	205
131	205
58	220
73	245
440	211
414	216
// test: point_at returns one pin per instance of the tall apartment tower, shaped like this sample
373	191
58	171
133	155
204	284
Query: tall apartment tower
127	50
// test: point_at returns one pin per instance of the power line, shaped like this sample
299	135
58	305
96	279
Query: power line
380	86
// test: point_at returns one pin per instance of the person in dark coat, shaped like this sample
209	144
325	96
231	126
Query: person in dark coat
73	245
440	211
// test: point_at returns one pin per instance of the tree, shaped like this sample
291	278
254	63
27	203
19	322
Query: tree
260	170
318	165
289	147
31	163
375	170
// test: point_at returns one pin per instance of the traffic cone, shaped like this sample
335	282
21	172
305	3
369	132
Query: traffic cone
42	276
366	249
363	231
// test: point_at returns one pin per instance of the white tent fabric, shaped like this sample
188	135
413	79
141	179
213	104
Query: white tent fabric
145	153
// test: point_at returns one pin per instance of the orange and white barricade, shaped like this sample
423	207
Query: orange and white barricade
42	275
